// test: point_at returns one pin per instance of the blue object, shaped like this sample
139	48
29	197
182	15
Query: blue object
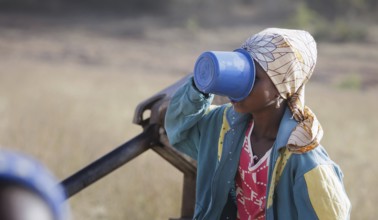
23	170
225	73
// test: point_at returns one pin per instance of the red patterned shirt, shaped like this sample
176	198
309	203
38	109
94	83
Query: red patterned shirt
251	181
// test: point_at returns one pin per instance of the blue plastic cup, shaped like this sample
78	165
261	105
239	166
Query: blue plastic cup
224	73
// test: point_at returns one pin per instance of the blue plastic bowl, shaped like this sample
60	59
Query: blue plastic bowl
225	73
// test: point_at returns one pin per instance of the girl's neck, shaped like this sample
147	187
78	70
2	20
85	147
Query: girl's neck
267	122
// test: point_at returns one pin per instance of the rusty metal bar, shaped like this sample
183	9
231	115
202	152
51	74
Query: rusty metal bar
111	161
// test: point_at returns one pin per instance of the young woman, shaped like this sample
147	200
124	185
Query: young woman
261	158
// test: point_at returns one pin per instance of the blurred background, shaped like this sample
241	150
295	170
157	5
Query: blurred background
72	73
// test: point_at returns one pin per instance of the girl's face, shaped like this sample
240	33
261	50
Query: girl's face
263	95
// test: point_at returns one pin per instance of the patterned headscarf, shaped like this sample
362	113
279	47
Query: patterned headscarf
289	58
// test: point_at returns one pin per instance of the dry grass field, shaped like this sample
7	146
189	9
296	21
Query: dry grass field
69	87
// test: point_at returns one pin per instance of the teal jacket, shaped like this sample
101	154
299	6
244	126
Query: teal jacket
300	186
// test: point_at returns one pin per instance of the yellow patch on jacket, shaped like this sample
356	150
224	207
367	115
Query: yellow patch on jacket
327	193
225	127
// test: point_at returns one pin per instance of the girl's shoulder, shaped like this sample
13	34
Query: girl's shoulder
307	161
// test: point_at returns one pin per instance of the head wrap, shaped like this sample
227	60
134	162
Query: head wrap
289	58
25	171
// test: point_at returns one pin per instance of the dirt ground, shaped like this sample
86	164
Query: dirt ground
69	87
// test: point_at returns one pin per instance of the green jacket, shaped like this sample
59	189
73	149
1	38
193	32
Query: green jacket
300	186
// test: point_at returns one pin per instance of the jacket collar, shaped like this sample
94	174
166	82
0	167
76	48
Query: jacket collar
287	125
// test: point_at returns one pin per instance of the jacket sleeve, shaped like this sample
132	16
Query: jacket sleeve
320	194
186	109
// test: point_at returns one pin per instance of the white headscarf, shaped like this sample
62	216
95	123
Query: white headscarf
289	58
